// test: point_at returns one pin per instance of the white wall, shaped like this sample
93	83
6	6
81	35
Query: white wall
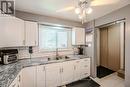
117	15
46	19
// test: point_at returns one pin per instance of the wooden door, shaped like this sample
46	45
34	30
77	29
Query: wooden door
104	47
114	47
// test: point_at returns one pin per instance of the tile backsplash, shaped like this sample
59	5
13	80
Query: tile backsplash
23	53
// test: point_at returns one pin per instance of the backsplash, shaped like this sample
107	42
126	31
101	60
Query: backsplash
23	53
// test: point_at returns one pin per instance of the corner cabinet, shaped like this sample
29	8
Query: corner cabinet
29	77
31	33
11	32
78	36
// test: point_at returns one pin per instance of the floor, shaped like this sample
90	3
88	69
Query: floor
102	71
110	81
88	82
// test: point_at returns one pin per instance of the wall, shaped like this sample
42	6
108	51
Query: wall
46	19
23	51
117	15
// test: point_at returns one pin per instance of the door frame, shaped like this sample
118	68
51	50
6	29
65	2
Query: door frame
96	47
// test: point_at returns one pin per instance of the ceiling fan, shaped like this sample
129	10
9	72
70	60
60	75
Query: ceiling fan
94	3
84	7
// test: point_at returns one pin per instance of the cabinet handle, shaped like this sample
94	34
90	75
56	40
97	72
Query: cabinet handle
77	62
19	78
74	67
23	42
85	60
85	73
44	68
86	66
35	42
62	69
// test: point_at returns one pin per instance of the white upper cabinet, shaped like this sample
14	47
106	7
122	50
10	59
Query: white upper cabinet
11	32
78	36
31	33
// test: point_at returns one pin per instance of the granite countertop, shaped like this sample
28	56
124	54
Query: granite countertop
9	72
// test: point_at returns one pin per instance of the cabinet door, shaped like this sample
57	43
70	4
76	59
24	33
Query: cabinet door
19	79
77	70
85	67
29	77
53	75
78	36
11	32
40	76
14	83
67	72
31	33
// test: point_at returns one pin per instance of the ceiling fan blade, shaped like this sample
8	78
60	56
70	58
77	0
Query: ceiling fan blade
103	2
70	8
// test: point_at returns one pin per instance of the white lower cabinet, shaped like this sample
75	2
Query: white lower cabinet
29	77
67	72
77	71
41	81
17	81
85	67
53	75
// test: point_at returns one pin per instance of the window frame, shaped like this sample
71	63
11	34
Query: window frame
69	39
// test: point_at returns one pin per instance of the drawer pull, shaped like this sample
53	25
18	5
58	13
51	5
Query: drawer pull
77	61
85	60
86	66
86	74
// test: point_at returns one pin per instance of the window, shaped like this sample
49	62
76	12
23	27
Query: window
51	38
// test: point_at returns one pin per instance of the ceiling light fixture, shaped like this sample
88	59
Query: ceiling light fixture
83	9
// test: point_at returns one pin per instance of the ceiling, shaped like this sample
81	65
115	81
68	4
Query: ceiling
65	8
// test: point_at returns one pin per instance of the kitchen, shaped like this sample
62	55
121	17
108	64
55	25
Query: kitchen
41	50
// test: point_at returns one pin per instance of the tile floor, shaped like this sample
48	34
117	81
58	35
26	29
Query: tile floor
110	81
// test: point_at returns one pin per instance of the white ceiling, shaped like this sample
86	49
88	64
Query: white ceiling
54	7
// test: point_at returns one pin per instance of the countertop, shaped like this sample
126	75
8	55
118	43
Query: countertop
9	72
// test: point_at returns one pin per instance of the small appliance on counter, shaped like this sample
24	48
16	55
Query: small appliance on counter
8	56
79	49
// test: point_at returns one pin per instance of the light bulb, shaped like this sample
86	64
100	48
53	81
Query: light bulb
80	16
77	10
89	11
